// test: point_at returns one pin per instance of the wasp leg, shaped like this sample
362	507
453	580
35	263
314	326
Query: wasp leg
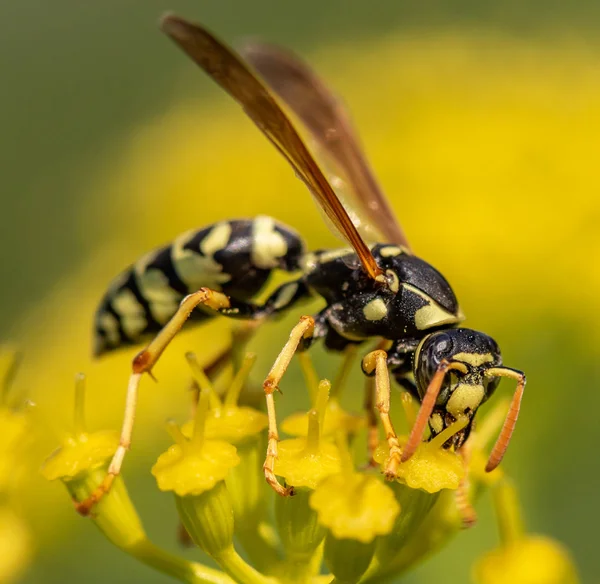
301	335
377	361
369	408
467	514
280	300
143	363
372	430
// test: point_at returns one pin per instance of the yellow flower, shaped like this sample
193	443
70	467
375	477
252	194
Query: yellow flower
530	560
431	468
194	466
355	506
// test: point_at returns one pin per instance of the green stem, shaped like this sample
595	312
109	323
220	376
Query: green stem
178	568
236	386
508	513
203	381
79	417
344	371
239	570
310	375
197	441
260	551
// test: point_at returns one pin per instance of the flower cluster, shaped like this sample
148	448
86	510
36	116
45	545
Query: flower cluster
344	523
15	537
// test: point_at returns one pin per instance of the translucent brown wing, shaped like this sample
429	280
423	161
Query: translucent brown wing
234	76
329	124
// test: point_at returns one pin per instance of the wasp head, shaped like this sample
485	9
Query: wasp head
470	357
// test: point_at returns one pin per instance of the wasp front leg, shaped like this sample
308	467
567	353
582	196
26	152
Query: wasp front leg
376	362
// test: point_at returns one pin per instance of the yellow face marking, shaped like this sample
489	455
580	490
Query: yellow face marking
197	271
133	319
268	245
432	314
286	294
375	310
474	359
437	423
393	281
465	397
390	251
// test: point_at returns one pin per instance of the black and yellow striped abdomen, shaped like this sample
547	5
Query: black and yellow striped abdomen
235	257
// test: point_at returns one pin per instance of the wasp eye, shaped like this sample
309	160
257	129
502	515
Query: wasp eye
443	346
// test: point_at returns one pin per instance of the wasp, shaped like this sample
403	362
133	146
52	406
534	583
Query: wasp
375	288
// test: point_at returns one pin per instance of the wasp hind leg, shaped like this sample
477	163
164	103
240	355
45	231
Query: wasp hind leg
143	363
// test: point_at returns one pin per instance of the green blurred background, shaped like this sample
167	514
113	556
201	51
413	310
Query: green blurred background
482	120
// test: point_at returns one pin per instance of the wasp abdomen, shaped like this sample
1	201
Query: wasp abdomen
235	257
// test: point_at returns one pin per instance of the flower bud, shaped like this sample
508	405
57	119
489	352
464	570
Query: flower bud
81	463
208	518
298	524
347	559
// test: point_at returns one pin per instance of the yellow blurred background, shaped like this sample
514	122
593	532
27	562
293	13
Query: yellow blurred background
482	124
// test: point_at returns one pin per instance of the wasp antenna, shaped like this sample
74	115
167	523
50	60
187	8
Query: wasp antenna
427	406
510	422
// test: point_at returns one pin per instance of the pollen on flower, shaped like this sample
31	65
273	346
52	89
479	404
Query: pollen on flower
355	506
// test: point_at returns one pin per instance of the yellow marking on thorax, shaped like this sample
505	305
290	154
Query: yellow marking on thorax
474	359
268	245
390	251
394	282
375	310
334	254
465	396
432	314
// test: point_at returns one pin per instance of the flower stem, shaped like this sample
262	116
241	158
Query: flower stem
202	380
310	375
239	570
344	371
236	386
178	568
197	441
508	513
79	416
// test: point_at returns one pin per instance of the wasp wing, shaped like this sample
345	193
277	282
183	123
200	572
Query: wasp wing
235	77
329	124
